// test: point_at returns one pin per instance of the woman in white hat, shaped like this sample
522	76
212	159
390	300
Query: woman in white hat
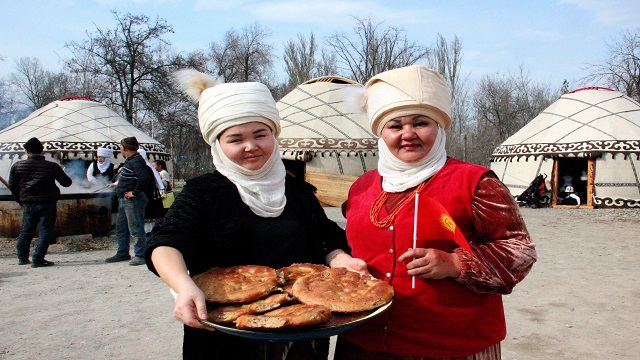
101	170
247	212
467	243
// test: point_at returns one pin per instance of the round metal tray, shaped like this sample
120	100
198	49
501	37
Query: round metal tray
339	323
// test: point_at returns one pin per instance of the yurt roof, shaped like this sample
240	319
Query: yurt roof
583	122
74	125
316	118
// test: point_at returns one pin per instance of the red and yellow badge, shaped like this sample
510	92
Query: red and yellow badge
447	222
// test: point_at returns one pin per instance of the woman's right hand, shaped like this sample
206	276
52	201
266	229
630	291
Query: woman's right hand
190	307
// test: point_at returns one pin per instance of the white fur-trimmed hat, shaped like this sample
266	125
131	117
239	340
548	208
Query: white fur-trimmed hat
410	90
221	106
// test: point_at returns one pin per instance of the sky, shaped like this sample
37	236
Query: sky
551	40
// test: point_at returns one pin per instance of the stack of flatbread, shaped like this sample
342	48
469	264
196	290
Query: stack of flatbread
259	297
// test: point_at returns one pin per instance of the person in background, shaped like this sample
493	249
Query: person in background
33	185
247	212
159	184
568	196
101	171
473	245
161	168
133	179
155	208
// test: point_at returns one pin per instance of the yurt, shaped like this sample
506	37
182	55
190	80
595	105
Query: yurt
588	141
323	139
70	130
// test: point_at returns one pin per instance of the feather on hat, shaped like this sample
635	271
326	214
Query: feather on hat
223	105
193	82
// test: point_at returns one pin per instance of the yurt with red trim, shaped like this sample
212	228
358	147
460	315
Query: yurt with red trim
587	141
323	139
71	130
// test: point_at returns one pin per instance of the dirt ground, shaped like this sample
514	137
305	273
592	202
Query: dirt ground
579	302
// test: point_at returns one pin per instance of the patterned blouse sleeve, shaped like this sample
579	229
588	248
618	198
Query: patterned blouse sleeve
503	252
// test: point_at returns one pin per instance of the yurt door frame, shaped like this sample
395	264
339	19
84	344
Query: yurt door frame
575	167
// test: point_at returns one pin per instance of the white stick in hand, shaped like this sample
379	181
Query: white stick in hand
415	234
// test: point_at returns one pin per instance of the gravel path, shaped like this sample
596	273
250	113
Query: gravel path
579	302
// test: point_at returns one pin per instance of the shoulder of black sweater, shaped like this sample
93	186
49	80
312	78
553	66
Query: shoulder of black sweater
134	158
208	181
294	180
217	180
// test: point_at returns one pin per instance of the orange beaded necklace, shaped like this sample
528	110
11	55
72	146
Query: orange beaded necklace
381	200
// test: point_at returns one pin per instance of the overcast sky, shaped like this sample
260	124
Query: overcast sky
552	39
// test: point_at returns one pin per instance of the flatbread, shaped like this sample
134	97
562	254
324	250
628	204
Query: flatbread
342	290
288	275
298	315
229	313
237	284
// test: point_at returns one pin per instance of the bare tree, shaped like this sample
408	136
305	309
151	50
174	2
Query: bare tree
621	70
38	85
374	50
245	56
124	58
328	64
175	123
302	62
446	58
300	59
503	105
8	106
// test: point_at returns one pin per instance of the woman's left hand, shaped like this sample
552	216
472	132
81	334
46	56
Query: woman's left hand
352	264
431	263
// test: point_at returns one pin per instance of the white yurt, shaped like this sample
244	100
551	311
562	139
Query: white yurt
323	139
70	130
589	139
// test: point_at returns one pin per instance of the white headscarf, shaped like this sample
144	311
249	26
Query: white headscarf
158	180
106	153
398	176
262	190
222	106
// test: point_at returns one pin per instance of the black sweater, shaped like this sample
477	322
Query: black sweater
211	226
34	180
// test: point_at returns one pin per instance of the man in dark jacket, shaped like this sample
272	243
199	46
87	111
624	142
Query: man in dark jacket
33	185
133	179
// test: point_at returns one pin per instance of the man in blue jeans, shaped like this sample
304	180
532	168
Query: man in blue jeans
33	185
133	180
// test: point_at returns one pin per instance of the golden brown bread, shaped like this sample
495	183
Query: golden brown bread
297	315
342	290
229	313
288	275
237	284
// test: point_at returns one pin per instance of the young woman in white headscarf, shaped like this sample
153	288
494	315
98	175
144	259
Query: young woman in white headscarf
448	292
247	212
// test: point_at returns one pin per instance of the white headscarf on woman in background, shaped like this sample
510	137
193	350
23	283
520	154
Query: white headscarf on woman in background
102	166
158	180
106	154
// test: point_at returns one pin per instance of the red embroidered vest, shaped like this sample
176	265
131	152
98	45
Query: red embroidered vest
439	318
